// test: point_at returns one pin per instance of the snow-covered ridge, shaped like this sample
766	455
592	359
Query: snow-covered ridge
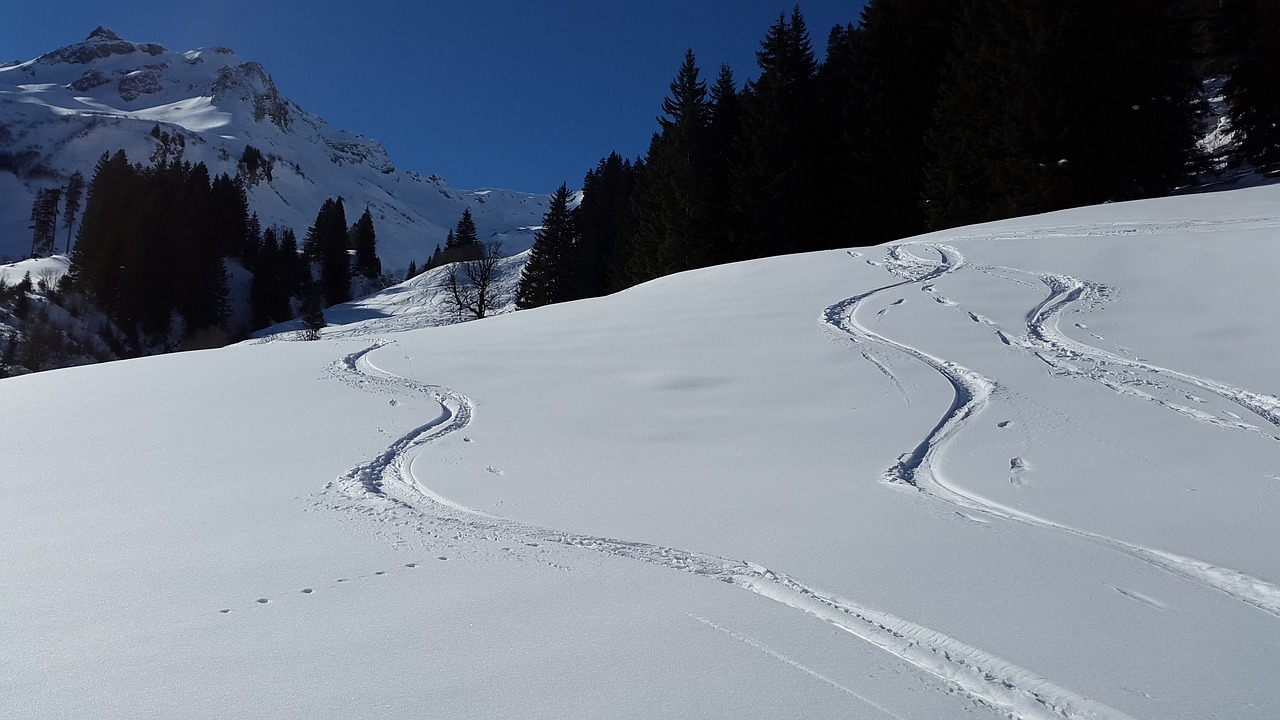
59	112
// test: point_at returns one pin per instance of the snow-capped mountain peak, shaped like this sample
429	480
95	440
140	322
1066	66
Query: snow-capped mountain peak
60	111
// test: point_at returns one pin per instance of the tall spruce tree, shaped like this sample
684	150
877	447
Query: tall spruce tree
229	212
548	275
95	267
604	226
44	221
782	166
73	193
672	201
201	290
882	81
269	290
327	239
465	233
724	129
365	242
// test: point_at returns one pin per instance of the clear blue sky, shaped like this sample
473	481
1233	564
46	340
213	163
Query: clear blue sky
487	93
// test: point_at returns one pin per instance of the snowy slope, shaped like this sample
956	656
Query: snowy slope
419	302
1027	469
59	112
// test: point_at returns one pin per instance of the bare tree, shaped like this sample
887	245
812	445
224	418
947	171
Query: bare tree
469	285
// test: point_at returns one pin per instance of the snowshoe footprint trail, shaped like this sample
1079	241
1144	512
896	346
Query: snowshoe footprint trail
384	492
972	392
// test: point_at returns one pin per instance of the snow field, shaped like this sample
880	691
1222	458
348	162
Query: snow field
1022	470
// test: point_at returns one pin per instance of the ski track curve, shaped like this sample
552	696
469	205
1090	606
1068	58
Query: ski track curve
1058	350
972	392
385	486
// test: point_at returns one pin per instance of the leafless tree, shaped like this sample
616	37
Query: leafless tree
469	285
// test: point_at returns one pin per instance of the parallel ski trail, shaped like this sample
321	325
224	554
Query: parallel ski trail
972	392
1060	351
386	486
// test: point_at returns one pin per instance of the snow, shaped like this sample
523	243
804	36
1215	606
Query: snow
49	268
1024	469
416	303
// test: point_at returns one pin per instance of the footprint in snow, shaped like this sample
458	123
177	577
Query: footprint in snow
495	471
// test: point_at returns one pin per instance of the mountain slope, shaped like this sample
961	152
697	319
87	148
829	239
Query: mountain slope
1023	470
59	112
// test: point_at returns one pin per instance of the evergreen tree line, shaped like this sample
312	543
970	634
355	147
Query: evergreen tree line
153	242
44	214
926	114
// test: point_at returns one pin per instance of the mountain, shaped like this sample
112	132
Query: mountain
62	110
1025	470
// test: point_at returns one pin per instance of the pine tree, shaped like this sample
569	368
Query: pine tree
312	312
44	221
327	240
229	213
252	243
268	292
604	228
291	264
548	275
672	203
73	194
95	260
882	81
781	149
723	133
366	245
213	216
465	233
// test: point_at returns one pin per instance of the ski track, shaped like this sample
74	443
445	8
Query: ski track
1061	352
748	640
972	392
385	492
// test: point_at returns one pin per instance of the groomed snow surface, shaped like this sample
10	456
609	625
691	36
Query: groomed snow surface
1029	469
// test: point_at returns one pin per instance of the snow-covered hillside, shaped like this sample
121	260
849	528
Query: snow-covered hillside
1024	470
419	302
62	110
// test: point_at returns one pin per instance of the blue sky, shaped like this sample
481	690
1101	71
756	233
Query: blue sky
486	93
